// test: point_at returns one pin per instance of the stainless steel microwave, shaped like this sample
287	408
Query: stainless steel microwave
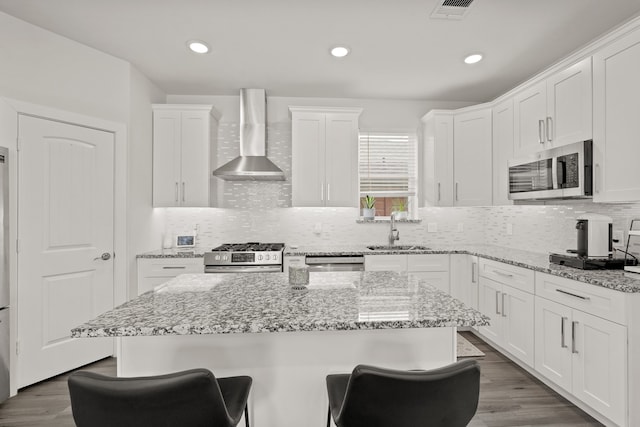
557	173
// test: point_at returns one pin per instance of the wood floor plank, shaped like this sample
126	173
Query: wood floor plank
509	397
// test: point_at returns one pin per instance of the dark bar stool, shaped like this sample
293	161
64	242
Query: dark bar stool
192	398
378	397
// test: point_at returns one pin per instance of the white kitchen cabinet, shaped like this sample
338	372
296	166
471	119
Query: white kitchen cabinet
616	127
505	295
437	158
502	151
155	271
183	154
472	171
433	268
554	112
464	279
324	156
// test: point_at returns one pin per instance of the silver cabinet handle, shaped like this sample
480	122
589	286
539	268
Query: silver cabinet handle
171	267
549	130
573	337
473	272
540	131
504	312
438	191
573	295
328	191
563	344
104	257
497	297
456	191
597	178
322	191
500	273
176	191
183	192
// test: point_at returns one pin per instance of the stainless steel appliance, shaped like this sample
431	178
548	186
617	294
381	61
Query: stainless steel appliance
557	173
251	257
4	274
335	263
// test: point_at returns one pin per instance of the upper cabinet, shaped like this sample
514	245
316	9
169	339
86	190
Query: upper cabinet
554	112
616	124
437	143
183	149
472	171
324	164
502	151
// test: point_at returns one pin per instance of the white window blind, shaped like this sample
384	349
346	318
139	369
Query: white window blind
387	164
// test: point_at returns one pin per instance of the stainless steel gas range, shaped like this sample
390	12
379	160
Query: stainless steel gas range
249	257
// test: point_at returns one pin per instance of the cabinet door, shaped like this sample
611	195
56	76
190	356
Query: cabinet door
615	120
517	326
472	158
341	160
308	154
195	146
529	111
502	151
599	365
166	158
438	160
385	263
553	341
460	277
437	279
569	105
489	293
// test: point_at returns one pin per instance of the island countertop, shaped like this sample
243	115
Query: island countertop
195	304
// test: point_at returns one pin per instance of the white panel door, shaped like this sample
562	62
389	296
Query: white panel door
553	341
599	365
308	154
489	293
66	205
517	326
341	160
569	105
502	151
166	158
472	158
195	142
529	113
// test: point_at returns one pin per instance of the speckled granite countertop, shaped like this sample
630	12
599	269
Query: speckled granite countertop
175	253
264	302
613	279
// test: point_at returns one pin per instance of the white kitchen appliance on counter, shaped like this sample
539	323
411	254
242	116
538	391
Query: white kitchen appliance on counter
595	236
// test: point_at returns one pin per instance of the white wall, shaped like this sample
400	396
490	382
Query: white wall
43	68
145	225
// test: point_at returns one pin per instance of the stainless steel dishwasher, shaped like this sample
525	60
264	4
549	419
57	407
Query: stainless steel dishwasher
335	263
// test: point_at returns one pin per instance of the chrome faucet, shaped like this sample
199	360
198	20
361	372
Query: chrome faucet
394	234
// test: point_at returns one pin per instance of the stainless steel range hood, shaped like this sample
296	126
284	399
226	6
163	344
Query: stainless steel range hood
252	164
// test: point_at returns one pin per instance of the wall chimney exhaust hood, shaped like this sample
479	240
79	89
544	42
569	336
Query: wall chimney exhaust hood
252	164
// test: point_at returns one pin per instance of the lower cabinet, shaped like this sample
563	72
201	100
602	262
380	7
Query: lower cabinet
434	268
505	295
155	271
584	354
464	279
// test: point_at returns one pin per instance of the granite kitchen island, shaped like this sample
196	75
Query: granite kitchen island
288	340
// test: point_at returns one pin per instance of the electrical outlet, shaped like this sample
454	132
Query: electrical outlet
317	229
460	227
618	238
432	227
509	229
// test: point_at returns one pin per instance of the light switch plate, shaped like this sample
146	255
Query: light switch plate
509	229
460	227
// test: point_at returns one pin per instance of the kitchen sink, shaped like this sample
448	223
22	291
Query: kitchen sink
397	248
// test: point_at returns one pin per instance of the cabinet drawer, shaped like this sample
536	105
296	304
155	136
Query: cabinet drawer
596	300
517	277
428	262
169	267
385	262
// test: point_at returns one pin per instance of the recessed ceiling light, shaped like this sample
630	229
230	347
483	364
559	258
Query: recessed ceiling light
340	51
197	46
472	59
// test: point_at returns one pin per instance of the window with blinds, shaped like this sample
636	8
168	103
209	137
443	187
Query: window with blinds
387	168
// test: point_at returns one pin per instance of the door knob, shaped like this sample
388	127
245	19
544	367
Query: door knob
105	257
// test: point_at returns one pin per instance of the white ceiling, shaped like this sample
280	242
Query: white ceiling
282	45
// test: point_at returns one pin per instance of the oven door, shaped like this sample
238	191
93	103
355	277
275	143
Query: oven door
243	268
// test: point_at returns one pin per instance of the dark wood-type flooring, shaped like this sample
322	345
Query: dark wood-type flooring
509	397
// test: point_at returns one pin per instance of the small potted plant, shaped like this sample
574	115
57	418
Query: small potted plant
400	208
368	207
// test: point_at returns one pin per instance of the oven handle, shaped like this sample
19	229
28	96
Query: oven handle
249	269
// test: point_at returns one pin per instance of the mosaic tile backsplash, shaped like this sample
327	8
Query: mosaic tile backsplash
260	211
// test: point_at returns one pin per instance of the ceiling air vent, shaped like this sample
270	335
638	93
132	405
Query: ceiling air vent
451	9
